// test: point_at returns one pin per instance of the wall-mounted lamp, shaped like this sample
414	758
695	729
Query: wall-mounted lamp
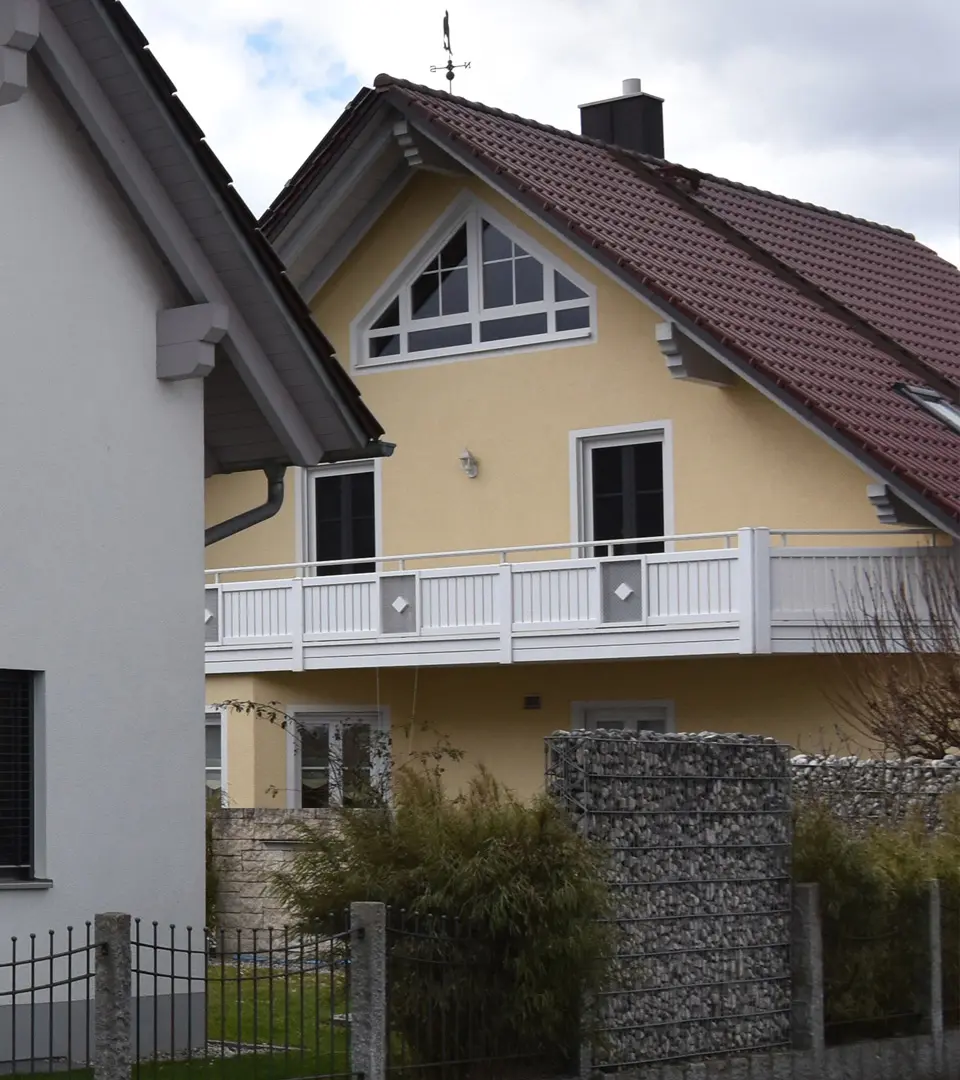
469	464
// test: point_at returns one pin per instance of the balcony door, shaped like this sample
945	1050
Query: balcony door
623	490
342	512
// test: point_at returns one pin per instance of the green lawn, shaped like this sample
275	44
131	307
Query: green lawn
287	1017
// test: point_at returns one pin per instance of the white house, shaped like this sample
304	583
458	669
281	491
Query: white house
148	338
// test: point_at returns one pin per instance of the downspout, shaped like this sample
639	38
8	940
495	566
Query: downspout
254	516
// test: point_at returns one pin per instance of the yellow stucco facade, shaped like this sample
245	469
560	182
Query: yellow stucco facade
738	460
480	710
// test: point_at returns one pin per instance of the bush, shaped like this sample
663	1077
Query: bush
872	886
496	930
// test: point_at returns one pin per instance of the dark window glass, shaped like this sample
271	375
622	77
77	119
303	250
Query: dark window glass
315	767
577	318
495	244
390	317
345	522
627	496
564	288
389	345
454	299
498	285
517	326
529	280
357	765
425	293
440	337
455	251
16	774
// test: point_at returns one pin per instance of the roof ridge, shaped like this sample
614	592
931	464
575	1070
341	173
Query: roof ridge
385	82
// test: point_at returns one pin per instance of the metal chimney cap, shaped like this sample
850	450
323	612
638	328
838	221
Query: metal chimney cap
631	87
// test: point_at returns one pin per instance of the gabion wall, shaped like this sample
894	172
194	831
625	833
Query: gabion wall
869	792
698	833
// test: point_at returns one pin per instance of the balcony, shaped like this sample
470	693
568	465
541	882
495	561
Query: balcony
753	591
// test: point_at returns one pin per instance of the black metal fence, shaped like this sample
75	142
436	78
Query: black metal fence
46	1001
447	1007
178	1002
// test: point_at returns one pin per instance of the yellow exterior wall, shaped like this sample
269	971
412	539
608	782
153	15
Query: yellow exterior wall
480	709
739	459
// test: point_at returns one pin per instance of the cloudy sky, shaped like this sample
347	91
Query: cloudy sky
853	104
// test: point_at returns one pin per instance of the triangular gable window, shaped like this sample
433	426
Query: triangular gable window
481	286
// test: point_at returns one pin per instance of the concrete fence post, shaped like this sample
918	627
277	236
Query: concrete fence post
931	988
806	1013
112	1044
368	990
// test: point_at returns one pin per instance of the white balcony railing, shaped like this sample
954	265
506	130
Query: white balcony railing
749	591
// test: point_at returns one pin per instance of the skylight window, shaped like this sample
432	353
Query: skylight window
476	285
934	403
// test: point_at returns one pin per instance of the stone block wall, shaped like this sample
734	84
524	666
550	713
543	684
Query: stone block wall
867	792
697	829
249	847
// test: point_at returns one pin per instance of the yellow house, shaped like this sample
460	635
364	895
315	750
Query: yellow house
649	424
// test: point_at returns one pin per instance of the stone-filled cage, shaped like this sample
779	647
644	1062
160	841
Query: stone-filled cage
697	834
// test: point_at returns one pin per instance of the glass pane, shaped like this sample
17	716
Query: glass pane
454	299
214	781
315	789
213	746
564	288
390	317
389	345
455	251
577	318
425	294
495	244
314	747
498	285
518	326
357	765
441	337
529	276
345	522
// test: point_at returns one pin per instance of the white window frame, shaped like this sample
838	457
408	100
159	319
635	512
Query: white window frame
469	208
582	443
306	517
331	714
579	710
218	717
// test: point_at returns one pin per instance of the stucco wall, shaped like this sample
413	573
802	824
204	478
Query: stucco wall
101	553
480	709
738	458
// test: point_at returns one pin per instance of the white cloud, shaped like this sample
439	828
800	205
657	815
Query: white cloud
792	97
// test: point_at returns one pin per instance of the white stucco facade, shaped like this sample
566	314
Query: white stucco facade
101	549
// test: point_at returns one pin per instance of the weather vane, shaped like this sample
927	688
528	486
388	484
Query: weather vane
450	65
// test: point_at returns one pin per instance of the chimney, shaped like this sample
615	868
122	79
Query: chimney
633	121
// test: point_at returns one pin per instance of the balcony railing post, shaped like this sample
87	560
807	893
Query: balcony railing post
295	619
505	604
754	590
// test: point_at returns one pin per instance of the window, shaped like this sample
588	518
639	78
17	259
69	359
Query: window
339	759
482	286
935	403
342	518
622	491
16	775
623	715
213	730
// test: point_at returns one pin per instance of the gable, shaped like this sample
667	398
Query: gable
474	283
285	397
738	457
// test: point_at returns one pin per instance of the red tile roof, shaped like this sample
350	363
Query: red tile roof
829	310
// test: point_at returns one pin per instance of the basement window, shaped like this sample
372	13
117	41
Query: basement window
934	403
476	284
